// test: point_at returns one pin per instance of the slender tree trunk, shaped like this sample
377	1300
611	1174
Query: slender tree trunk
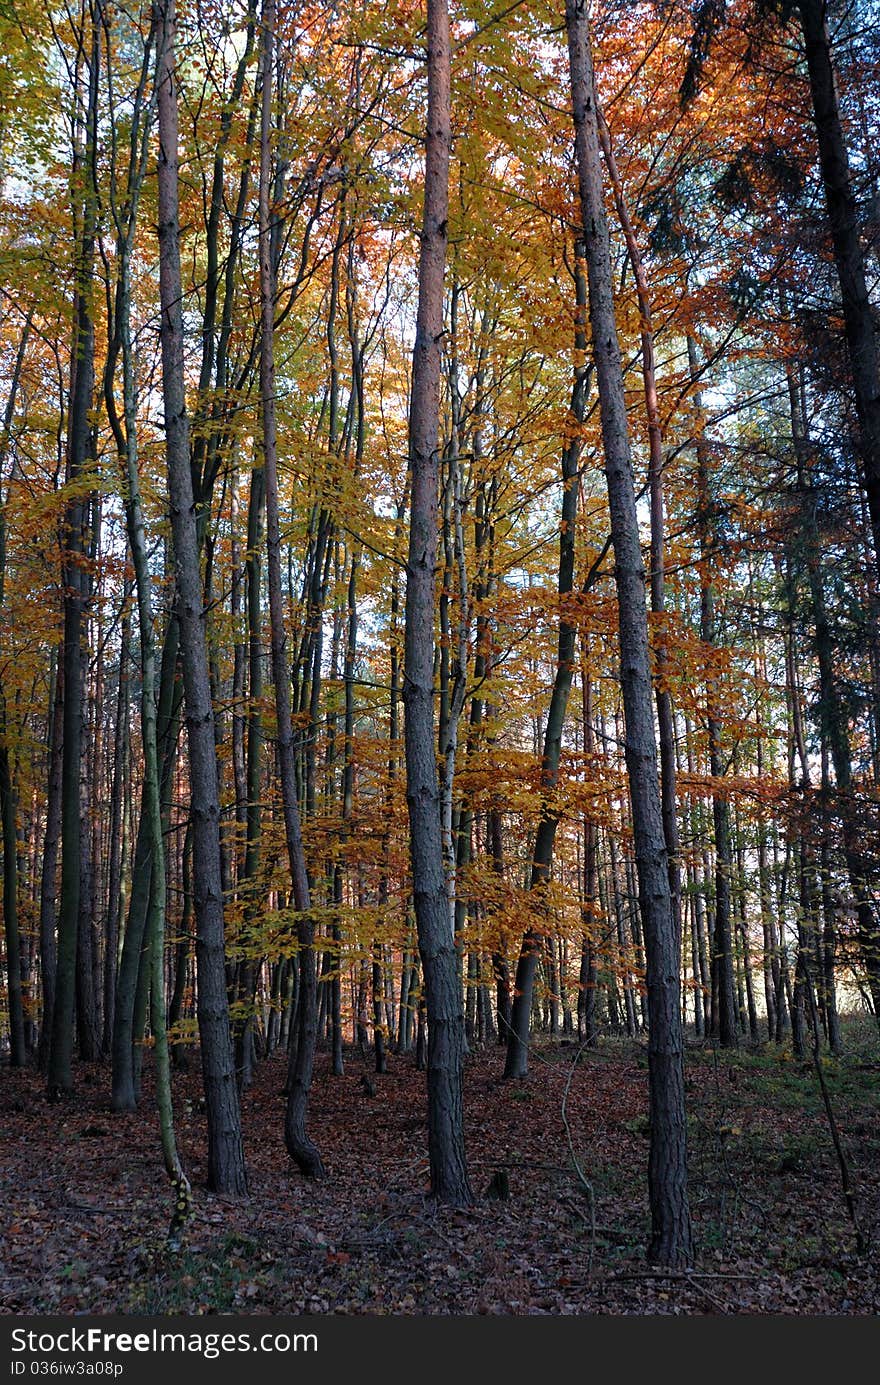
60	1075
175	1008
253	767
517	1057
831	713
86	1018
667	1163
829	940
131	1001
226	1170
302	1055
665	715
49	867
8	810
121	768
858	313
125	432
724	1023
445	1017
8	797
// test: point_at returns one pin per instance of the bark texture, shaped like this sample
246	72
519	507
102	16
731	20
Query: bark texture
226	1170
670	1242
300	1146
449	1178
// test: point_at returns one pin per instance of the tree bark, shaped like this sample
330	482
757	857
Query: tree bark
302	1054
665	714
858	314
832	717
445	1016
670	1242
8	796
724	1023
49	866
516	1060
226	1170
60	1075
116	865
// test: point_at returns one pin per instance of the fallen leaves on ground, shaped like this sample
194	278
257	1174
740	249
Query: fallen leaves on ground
87	1207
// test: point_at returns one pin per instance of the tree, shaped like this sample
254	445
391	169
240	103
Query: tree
667	1162
8	804
302	1053
226	1170
449	1178
843	221
60	1074
516	1062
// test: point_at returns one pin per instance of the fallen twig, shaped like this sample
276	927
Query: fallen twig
585	1182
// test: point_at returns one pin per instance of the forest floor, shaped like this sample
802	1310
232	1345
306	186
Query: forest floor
85	1206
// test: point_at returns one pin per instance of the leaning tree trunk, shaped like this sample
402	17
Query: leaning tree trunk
670	1242
302	1053
226	1170
449	1178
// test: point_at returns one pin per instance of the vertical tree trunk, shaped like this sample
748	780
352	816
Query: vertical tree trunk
126	437
86	1018
832	716
181	967
8	797
115	896
253	767
517	1057
60	1075
670	1242
302	1053
49	866
8	811
588	977
724	1022
226	1170
130	1004
858	314
828	988
665	715
449	1178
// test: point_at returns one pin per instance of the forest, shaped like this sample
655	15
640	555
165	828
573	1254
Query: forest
440	656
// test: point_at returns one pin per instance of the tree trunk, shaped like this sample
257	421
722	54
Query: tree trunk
8	810
517	1057
670	1242
60	1075
445	1016
832	717
302	1053
8	797
858	314
665	714
248	885
49	867
724	1023
226	1170
121	769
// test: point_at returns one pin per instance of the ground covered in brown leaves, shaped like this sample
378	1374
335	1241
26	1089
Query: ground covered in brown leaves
85	1206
